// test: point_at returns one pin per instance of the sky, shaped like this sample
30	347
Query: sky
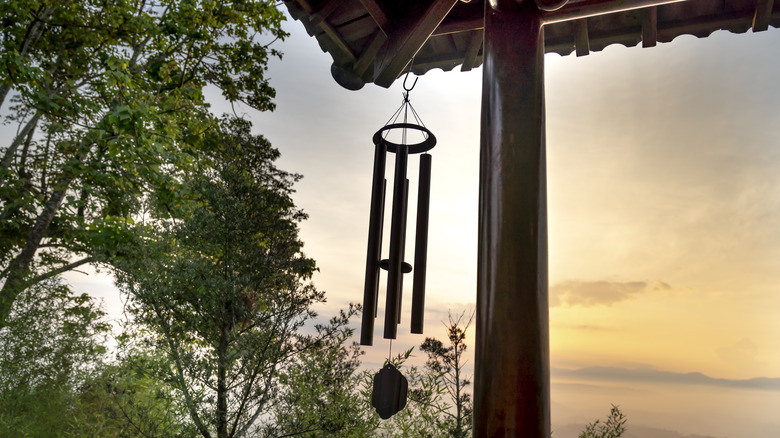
664	206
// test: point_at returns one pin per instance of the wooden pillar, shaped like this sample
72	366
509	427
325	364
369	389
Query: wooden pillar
512	377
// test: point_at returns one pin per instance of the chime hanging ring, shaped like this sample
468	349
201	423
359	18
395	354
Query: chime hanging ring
416	148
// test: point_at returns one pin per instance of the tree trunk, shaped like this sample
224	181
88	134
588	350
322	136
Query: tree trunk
26	132
458	401
20	265
222	423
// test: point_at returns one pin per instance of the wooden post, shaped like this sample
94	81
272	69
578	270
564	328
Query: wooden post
512	377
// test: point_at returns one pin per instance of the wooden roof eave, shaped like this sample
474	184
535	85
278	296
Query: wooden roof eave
446	33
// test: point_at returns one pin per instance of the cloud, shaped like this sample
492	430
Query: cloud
595	293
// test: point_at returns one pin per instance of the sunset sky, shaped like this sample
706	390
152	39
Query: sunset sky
664	218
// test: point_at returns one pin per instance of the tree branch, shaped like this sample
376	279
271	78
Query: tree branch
33	33
29	127
180	376
19	266
61	269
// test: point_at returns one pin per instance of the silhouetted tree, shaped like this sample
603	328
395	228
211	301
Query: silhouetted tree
448	362
612	428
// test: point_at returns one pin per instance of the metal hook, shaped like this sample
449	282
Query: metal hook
413	83
411	63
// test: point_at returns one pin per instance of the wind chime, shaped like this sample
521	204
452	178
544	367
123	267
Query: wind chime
390	386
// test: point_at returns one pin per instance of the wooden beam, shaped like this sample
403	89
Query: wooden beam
336	38
438	61
666	33
763	14
512	371
327	29
377	14
593	8
324	12
470	60
306	6
367	57
581	40
460	26
649	26
407	40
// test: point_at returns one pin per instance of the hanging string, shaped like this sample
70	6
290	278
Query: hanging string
390	353
407	104
406	107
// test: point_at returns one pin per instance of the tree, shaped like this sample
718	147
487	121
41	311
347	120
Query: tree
108	97
322	393
221	287
53	338
56	378
126	399
422	416
612	428
448	363
52	344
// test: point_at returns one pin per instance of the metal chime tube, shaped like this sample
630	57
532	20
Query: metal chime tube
379	249
403	249
397	228
421	243
371	289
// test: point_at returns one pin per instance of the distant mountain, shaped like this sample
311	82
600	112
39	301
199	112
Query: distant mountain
573	431
656	376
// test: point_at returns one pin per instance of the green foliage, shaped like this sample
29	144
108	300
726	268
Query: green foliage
36	413
447	364
109	100
320	393
219	286
55	380
324	394
613	427
53	338
51	345
126	399
425	405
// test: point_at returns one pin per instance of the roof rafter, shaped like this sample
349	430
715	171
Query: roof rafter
324	12
407	40
460	26
378	14
649	26
316	20
763	15
581	40
368	55
593	8
473	50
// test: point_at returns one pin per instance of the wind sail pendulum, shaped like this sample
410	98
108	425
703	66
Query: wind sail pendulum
389	392
395	264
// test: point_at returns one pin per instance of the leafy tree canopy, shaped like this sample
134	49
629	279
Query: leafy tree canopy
53	343
219	285
109	100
